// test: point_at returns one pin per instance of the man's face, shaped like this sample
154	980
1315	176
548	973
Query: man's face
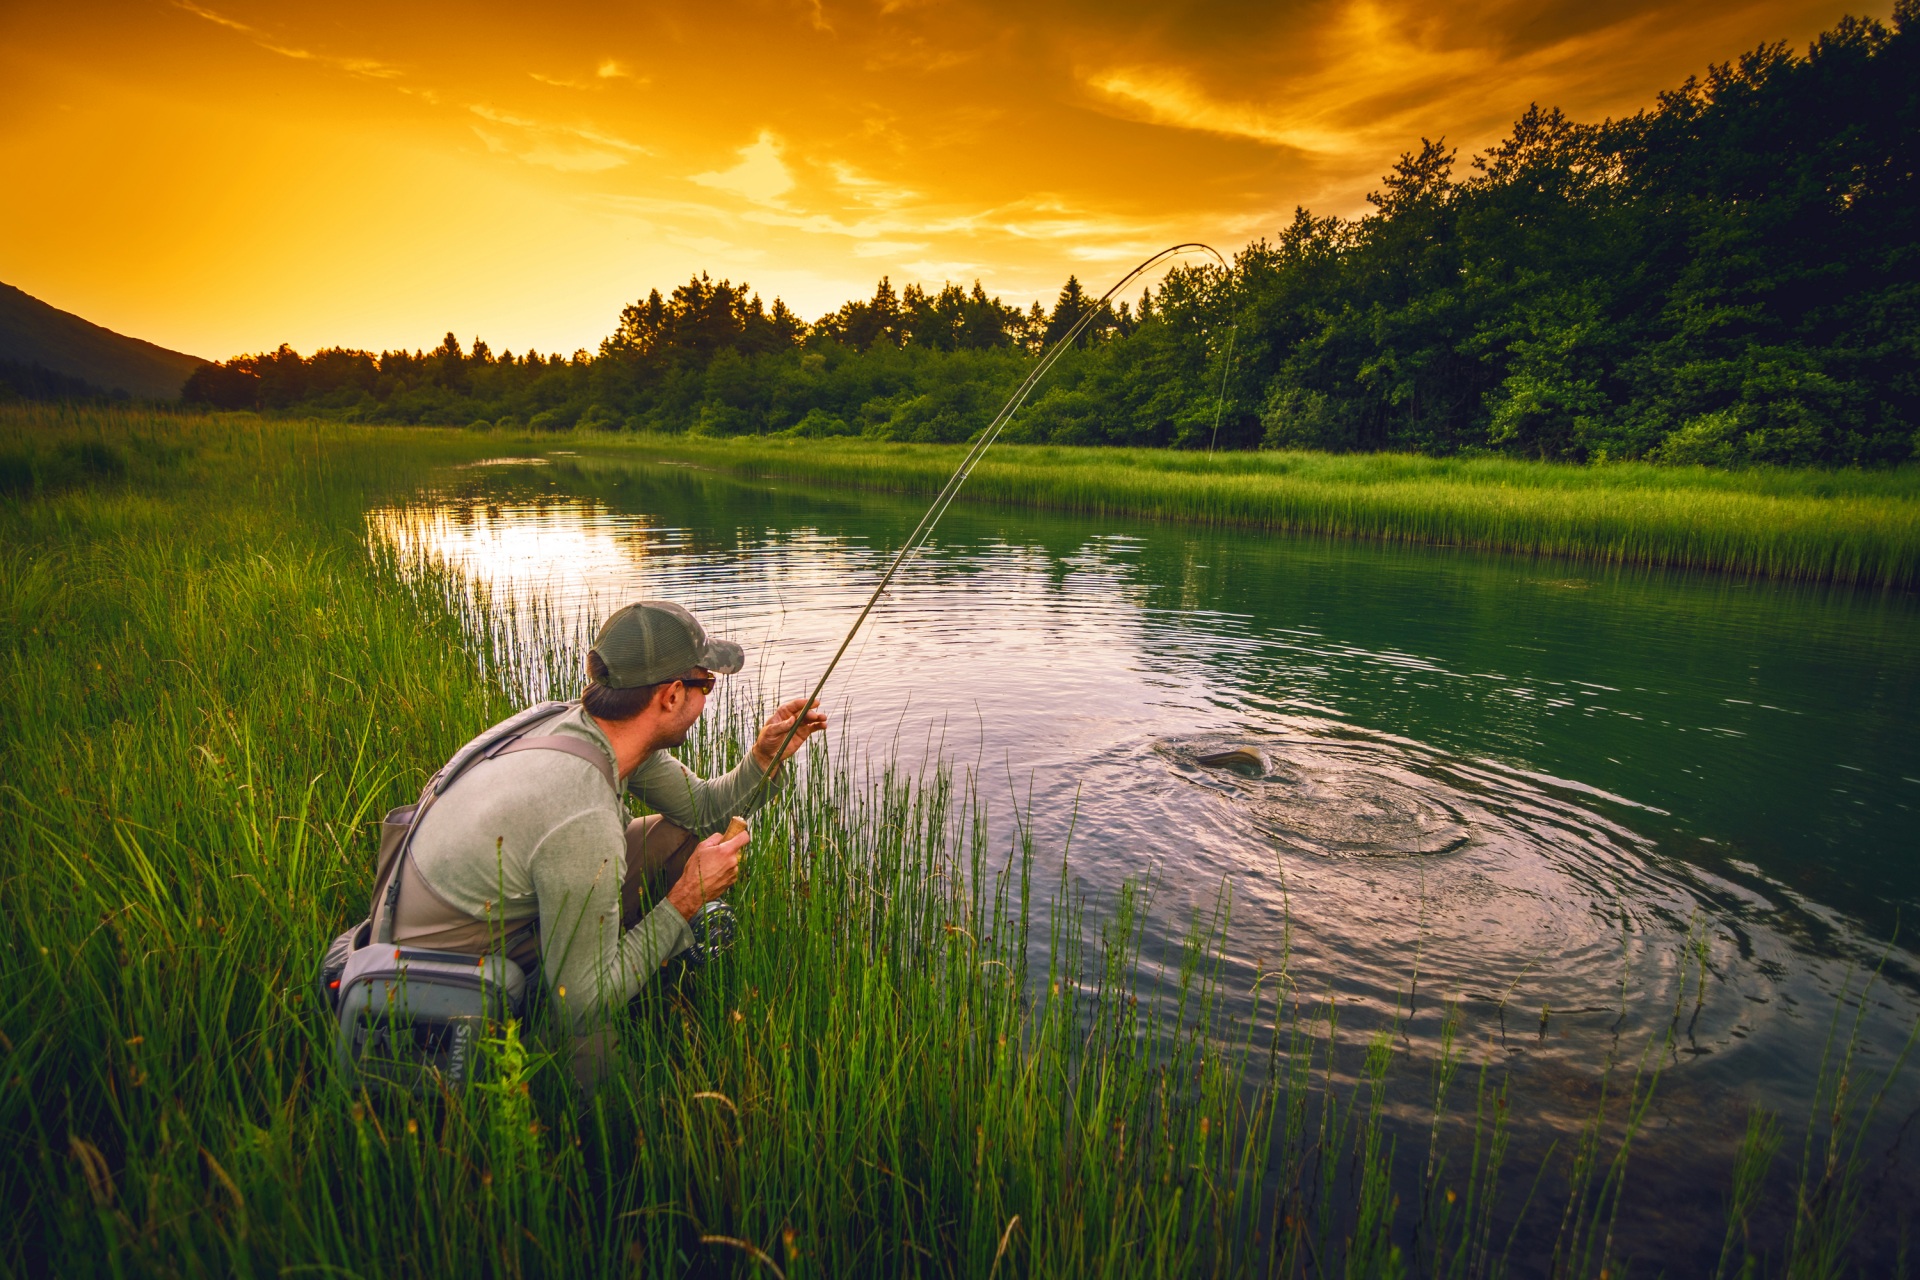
691	700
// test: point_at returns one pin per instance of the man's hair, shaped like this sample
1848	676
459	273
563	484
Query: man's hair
603	702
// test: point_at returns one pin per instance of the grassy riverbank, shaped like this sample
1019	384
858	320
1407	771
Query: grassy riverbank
1848	526
913	1065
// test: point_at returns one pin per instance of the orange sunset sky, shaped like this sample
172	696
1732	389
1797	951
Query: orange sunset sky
225	176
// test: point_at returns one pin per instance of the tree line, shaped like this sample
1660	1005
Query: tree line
1730	276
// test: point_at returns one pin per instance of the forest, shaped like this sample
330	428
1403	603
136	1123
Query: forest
1729	277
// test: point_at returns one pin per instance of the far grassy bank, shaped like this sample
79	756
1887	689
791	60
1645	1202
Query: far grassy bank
1846	526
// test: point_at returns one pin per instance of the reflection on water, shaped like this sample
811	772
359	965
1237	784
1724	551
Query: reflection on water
1470	778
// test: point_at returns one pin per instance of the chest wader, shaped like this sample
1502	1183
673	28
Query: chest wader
412	1018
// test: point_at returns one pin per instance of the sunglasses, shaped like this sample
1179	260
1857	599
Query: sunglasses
703	683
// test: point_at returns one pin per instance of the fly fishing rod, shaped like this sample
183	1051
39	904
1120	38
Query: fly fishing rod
944	499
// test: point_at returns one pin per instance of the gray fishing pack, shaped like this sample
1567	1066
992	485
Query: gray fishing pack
410	1017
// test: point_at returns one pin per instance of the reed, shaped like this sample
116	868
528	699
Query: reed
1847	526
921	1058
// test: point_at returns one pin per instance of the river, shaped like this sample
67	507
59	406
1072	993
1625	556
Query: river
1543	792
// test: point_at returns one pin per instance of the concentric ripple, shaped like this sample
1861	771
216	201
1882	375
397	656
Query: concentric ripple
1369	865
1328	798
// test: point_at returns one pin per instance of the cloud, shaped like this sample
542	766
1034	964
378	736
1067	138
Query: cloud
606	70
917	55
1167	97
924	243
583	132
603	139
869	191
554	146
501	117
1353	78
549	154
213	17
1377	74
369	68
761	176
1041	220
1052	222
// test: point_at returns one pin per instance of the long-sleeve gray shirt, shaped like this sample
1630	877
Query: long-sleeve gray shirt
541	833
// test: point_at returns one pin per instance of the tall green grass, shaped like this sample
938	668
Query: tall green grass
1847	526
920	1059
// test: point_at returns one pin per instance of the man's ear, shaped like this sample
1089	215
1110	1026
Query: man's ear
666	698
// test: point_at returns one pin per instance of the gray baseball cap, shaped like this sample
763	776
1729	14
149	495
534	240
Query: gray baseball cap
652	641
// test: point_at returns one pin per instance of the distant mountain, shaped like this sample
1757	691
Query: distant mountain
67	347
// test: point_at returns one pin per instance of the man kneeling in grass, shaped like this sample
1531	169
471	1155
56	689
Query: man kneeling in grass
533	848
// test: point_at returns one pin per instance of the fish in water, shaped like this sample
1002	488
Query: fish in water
1240	760
1344	797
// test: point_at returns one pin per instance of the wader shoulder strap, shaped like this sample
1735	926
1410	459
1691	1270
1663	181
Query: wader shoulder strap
387	903
580	747
397	831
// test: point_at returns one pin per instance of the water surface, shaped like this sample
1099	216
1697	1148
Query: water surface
1530	788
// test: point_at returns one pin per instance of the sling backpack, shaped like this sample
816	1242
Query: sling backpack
410	1017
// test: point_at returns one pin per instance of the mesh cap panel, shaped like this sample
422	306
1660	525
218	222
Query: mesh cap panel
656	640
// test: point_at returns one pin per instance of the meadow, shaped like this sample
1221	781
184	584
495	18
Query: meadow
920	1059
1840	525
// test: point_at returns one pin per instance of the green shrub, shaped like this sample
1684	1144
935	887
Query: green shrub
598	418
819	423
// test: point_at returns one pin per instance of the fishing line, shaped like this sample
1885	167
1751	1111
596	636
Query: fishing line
1220	404
944	499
